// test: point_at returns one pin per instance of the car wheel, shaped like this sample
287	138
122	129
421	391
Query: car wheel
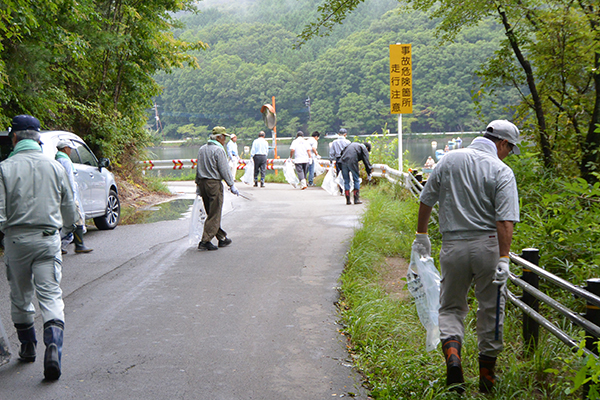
113	213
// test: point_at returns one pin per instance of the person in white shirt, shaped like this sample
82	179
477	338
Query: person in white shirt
300	151
260	149
313	141
234	156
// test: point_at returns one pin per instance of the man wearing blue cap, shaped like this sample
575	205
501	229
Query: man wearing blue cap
478	206
36	201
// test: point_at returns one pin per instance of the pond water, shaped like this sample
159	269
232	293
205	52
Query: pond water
419	148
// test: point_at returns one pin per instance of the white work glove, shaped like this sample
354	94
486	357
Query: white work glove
422	245
369	177
234	190
502	272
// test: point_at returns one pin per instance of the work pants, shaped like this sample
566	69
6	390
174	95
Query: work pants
464	262
301	170
211	191
346	170
34	266
260	165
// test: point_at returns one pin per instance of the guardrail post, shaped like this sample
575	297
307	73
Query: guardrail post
531	329
592	314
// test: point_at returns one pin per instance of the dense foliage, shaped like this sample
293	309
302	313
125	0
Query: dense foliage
88	66
251	57
550	53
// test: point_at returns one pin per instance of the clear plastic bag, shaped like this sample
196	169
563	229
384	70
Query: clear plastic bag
197	221
248	177
289	171
5	349
329	184
423	282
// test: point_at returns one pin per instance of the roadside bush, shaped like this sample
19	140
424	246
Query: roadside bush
560	216
388	342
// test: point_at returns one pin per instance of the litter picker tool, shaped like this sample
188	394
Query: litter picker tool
497	330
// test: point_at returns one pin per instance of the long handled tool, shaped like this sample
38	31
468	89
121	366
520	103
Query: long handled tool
497	331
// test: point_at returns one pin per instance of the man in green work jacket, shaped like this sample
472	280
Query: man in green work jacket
36	201
211	169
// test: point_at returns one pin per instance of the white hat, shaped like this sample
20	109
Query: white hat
503	129
64	143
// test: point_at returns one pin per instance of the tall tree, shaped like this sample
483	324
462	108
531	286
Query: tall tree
88	66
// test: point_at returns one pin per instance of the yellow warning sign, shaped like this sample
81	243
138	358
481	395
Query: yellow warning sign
401	78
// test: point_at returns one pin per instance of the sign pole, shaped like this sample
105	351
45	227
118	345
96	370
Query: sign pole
400	142
274	135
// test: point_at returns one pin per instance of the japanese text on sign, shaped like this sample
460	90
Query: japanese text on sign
400	78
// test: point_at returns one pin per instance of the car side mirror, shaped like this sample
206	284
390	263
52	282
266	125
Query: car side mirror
103	163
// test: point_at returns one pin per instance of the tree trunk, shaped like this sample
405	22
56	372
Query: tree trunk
589	159
537	103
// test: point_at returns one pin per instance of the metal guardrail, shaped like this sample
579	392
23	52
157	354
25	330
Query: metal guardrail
532	296
405	179
272	163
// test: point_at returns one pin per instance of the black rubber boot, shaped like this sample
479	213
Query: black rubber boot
53	339
26	335
78	240
356	197
347	193
487	377
454	372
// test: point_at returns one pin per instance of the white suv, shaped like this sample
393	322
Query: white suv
97	187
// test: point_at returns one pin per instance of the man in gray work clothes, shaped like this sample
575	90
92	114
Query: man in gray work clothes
36	201
478	206
212	168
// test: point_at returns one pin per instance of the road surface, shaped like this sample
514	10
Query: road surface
148	316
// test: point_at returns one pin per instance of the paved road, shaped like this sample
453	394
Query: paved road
150	317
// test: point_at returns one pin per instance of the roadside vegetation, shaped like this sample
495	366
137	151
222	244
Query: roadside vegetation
560	216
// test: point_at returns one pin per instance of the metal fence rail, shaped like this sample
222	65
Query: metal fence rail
405	179
532	296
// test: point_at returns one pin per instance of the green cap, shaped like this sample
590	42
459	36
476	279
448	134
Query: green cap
220	130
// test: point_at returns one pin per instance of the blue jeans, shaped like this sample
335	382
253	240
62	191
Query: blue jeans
346	174
311	171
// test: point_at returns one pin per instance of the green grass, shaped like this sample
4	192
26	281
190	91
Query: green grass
388	341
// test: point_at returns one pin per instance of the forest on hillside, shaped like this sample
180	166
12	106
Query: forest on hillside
251	57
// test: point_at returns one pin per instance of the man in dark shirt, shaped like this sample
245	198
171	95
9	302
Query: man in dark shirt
351	155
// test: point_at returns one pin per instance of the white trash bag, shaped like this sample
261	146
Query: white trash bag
289	171
423	282
197	221
248	177
5	349
329	184
340	181
319	169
